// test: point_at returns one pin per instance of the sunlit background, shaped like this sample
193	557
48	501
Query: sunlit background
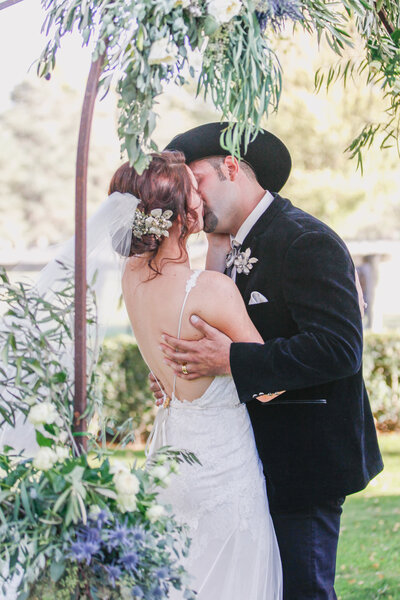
39	123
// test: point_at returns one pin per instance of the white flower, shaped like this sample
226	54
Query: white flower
62	453
174	467
62	437
224	10
59	421
41	413
396	87
196	59
3	473
126	483
94	511
244	263
375	66
126	502
162	474
155	512
45	459
163	52
119	467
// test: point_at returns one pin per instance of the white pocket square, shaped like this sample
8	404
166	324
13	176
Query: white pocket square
257	298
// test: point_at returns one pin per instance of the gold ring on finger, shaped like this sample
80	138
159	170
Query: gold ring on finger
184	369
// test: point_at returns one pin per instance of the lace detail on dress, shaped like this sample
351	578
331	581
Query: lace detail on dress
191	282
223	500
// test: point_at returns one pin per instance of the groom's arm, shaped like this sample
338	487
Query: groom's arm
320	292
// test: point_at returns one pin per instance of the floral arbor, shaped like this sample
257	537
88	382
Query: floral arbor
143	45
228	46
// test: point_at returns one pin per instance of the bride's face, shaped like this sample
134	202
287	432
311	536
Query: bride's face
195	202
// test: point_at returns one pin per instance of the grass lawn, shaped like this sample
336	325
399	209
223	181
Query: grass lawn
368	565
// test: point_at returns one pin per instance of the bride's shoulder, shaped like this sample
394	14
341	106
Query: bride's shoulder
217	288
216	282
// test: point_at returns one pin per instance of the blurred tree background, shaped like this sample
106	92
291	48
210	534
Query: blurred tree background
38	137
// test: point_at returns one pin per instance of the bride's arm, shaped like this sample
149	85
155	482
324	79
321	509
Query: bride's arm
221	305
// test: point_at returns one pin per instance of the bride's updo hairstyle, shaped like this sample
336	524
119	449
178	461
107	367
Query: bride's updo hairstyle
164	184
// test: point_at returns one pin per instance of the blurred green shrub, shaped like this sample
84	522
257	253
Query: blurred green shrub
381	373
127	393
126	390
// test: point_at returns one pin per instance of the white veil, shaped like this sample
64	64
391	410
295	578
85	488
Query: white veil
109	237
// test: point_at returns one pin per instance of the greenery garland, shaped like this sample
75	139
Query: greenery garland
227	45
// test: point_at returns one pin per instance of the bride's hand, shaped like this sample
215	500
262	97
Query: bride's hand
156	390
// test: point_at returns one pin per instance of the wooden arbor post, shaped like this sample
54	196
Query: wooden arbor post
80	424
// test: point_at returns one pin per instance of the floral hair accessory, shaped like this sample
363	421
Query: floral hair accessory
156	223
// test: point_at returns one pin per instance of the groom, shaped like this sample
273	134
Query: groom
317	440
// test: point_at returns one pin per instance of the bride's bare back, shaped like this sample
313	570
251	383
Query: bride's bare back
154	308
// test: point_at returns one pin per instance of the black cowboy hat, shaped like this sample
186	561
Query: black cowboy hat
266	154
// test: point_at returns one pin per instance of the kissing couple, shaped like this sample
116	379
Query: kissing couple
258	364
256	361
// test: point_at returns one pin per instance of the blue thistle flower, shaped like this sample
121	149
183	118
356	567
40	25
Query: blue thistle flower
276	11
162	573
118	536
92	534
101	518
114	573
157	593
137	534
137	592
129	560
84	550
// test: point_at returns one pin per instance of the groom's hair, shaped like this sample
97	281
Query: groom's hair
217	161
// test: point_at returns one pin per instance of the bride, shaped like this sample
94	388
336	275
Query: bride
234	553
147	219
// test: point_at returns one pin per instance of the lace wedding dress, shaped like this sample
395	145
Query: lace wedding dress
234	554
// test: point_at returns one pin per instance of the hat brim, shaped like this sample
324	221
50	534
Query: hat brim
266	154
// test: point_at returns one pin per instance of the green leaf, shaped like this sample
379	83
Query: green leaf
57	570
396	36
43	440
26	503
210	25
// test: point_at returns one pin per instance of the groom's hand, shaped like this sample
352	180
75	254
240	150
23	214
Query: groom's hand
208	356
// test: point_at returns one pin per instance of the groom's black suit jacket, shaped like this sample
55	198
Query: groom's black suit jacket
317	441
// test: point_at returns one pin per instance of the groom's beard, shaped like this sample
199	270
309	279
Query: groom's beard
210	222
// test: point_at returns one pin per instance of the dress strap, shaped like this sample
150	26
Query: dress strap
158	437
190	284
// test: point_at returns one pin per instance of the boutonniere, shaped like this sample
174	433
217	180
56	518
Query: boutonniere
244	263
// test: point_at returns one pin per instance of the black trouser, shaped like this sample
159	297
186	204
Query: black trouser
308	541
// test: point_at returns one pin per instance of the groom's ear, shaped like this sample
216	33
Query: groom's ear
232	165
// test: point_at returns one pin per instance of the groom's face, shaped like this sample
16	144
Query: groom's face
218	194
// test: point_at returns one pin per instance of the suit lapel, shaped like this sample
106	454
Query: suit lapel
258	228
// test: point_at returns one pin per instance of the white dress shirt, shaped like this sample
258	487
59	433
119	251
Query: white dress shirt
249	223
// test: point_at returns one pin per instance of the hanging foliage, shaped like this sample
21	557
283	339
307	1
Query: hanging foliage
227	46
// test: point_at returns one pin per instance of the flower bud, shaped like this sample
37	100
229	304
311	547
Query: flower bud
42	413
155	512
45	459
